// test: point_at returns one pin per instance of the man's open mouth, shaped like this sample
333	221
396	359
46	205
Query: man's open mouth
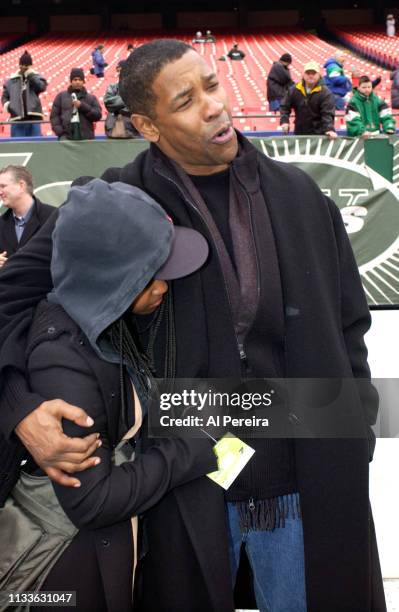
223	135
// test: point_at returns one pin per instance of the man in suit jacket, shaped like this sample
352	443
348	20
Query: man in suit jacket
25	214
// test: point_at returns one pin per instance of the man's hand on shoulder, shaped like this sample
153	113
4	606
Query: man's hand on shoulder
57	454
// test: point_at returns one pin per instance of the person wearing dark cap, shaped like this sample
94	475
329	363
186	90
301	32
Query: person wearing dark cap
117	123
279	81
95	357
21	98
74	111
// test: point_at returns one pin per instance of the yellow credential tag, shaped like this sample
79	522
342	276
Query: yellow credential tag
232	455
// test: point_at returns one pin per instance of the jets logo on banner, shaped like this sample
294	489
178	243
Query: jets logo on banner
368	201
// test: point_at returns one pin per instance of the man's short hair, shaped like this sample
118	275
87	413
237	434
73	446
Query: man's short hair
141	69
364	79
20	173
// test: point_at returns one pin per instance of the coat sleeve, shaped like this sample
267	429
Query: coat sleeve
37	83
110	493
327	112
24	281
356	321
112	100
90	107
354	121
284	77
385	114
56	116
5	97
338	79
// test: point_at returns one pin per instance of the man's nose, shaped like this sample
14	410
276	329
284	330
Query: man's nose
212	108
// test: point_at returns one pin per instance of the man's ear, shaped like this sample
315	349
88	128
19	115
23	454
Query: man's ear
145	126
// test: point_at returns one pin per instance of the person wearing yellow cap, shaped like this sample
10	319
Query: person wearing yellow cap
313	105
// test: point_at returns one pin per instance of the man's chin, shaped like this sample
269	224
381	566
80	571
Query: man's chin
230	150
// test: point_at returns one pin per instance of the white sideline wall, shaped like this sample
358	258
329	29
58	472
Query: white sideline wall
383	344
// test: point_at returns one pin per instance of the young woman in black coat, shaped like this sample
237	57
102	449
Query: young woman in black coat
113	249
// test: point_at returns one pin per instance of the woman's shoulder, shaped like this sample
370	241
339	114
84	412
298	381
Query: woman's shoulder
49	322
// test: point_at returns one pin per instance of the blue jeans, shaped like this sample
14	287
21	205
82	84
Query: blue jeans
339	102
277	562
20	130
274	105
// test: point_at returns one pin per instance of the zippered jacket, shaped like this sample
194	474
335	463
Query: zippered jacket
314	111
61	113
12	97
368	114
335	79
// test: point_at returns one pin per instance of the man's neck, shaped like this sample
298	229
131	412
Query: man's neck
23	205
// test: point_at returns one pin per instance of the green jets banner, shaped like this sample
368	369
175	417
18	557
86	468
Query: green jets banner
361	177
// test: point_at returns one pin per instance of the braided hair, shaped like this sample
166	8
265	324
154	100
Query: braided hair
124	339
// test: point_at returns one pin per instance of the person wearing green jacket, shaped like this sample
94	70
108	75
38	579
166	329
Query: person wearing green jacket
367	114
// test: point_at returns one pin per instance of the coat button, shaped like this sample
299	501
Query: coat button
113	394
105	543
51	330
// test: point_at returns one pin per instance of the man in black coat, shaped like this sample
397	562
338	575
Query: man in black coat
279	297
25	214
278	81
74	111
313	104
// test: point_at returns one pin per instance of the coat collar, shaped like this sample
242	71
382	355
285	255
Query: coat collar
301	87
32	224
244	164
10	238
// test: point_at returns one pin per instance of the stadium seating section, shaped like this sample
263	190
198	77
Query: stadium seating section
374	45
55	55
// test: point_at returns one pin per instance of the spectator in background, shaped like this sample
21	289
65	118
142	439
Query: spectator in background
367	114
21	98
74	111
395	89
117	123
391	30
198	38
235	53
336	80
279	81
25	214
313	105
355	76
99	62
209	37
